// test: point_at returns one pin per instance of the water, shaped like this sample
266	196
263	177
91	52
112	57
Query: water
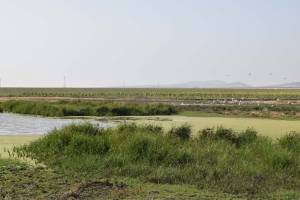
14	124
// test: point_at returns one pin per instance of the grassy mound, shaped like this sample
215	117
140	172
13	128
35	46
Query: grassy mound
218	159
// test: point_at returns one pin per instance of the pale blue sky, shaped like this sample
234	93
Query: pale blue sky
98	43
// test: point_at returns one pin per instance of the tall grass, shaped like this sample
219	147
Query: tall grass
221	159
84	108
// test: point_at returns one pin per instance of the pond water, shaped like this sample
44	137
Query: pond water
14	124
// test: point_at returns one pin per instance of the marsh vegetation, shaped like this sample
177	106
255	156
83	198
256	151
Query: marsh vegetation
84	108
155	93
238	163
184	156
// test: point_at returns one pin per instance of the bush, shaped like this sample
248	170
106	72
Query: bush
85	129
121	111
227	135
82	144
132	128
159	152
208	133
149	128
247	137
291	142
102	111
139	148
127	128
183	132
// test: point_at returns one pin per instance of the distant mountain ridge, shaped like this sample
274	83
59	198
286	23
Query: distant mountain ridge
219	84
287	85
208	84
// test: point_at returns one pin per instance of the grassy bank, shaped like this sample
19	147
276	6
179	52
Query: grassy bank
84	108
220	159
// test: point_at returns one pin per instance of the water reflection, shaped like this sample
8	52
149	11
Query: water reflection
14	124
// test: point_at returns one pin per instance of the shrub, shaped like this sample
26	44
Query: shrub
183	132
82	144
127	128
85	129
208	133
227	135
149	128
77	111
159	152
121	111
182	157
291	142
246	137
146	128
102	111
139	147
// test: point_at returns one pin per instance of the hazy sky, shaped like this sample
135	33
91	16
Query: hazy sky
98	43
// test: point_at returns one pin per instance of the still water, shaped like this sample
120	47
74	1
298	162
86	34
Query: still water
14	124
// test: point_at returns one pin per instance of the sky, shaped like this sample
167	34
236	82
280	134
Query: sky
101	43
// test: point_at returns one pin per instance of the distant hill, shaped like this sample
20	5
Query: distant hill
218	84
287	85
203	84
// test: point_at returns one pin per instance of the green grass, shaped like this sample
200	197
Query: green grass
220	160
21	181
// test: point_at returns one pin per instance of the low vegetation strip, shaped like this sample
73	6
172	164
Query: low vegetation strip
94	108
218	159
276	111
84	108
155	93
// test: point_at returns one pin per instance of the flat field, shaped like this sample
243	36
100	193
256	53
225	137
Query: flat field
155	93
